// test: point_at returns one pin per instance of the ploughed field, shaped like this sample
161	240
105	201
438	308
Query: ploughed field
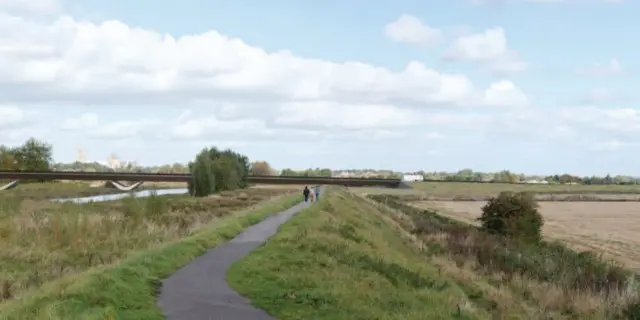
611	228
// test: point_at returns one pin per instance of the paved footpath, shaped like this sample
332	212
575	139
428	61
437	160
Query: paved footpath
199	291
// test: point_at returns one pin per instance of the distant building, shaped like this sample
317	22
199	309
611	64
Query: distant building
80	156
412	177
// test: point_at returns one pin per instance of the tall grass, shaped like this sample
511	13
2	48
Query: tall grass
41	241
583	283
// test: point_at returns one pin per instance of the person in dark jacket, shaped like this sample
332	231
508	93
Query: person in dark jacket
306	194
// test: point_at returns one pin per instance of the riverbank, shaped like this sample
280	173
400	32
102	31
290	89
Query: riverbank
43	241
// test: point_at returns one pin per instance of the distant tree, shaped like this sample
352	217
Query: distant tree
317	172
34	155
214	171
262	168
288	173
8	159
607	179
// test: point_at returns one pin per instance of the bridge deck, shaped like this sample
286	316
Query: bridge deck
177	177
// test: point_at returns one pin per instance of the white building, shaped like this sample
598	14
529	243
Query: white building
412	177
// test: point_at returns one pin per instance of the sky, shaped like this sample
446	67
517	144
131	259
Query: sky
534	86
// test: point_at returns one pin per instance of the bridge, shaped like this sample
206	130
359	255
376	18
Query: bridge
137	179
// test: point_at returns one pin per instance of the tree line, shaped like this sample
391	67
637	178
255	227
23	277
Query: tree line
506	176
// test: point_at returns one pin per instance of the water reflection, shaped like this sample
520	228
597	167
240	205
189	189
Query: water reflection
111	197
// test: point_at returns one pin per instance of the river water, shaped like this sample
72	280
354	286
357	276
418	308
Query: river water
111	197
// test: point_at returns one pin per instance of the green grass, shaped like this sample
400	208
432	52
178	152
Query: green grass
345	259
127	289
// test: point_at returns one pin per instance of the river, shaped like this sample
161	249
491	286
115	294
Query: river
111	197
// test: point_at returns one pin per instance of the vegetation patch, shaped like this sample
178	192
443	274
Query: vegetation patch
105	263
582	284
345	259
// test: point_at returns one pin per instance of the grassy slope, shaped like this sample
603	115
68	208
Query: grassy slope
343	259
128	290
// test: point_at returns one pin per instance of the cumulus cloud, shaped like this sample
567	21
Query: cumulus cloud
411	30
80	61
489	47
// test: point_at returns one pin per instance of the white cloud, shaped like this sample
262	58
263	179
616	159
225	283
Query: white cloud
83	62
505	94
597	69
12	117
411	30
490	47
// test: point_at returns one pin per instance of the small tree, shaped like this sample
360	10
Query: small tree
262	168
514	215
34	155
202	181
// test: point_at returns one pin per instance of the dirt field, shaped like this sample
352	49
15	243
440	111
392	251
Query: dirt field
610	228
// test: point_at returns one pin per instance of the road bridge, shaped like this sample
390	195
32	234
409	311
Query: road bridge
137	179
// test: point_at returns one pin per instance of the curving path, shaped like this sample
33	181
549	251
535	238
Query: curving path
199	291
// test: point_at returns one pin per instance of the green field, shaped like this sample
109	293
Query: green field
481	190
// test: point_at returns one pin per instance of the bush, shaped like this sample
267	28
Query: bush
513	215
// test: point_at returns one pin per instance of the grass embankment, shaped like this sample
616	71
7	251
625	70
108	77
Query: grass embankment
349	258
106	260
344	259
553	281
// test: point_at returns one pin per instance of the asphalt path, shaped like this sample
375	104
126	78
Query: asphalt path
199	290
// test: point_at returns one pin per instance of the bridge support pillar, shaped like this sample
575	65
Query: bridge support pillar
122	187
10	185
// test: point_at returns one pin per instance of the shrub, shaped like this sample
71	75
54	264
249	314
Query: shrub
513	215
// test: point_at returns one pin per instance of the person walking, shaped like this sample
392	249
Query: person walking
312	198
306	192
317	192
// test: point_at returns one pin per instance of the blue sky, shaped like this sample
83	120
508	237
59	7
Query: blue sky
523	85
